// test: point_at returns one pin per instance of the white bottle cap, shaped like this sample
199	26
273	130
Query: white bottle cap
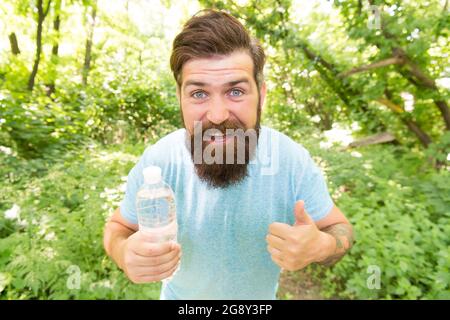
152	174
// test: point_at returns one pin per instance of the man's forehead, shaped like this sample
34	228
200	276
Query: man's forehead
236	66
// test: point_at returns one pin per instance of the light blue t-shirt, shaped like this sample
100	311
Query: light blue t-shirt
222	231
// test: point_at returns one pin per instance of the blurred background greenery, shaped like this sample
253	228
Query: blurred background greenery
85	86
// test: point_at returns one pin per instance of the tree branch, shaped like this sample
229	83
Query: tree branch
317	58
375	65
391	105
47	9
423	137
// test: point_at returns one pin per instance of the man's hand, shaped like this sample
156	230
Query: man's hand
294	247
146	261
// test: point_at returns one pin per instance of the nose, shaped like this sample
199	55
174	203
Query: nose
217	112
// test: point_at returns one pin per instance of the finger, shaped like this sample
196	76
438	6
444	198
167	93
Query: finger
148	249
275	241
155	270
162	259
176	246
157	260
159	277
278	262
274	252
301	216
279	229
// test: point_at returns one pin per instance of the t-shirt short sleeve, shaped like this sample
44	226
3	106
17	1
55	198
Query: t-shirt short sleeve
134	181
312	188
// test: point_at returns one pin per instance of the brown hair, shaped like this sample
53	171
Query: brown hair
209	33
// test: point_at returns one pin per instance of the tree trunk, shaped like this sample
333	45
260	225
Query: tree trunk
88	51
443	107
56	27
378	138
411	124
51	87
41	17
38	47
14	44
420	134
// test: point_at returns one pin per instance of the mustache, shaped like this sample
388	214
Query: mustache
232	124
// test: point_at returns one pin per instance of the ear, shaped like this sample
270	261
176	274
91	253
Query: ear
262	92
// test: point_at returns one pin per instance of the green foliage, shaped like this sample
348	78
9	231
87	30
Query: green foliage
63	152
60	228
135	109
401	218
37	125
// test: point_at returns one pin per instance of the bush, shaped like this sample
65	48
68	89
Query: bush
58	233
35	125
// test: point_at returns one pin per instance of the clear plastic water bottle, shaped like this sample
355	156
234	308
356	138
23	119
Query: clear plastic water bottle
156	210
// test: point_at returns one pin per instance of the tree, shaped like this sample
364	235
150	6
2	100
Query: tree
42	12
14	44
92	16
51	87
395	68
403	40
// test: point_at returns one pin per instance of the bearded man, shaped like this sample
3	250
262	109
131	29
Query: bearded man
250	201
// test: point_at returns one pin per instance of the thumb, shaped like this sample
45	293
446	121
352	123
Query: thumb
301	217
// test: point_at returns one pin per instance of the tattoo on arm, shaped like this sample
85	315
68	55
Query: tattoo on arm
343	235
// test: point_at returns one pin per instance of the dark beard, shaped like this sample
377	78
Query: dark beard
224	173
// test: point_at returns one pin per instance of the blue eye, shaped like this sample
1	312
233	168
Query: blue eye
236	93
199	95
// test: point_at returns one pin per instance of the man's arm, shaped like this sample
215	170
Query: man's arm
340	232
117	231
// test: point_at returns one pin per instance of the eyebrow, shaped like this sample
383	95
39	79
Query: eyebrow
203	84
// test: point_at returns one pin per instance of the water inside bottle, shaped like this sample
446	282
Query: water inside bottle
157	214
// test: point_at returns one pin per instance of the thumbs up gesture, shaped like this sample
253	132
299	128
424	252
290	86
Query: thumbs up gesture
294	247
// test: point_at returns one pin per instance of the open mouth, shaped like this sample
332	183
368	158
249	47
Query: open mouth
218	138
